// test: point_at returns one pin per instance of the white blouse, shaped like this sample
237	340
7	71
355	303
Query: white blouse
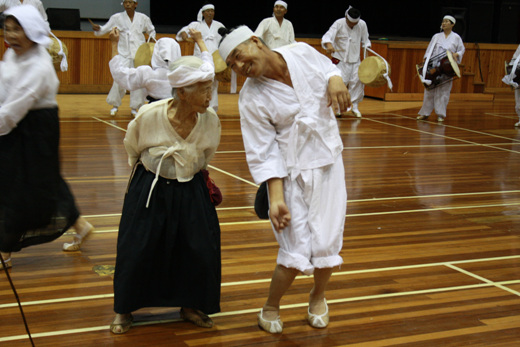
27	82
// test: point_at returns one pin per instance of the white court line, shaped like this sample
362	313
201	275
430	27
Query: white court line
108	123
282	307
503	115
471	274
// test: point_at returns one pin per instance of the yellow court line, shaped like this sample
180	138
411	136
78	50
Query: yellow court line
108	123
480	278
255	310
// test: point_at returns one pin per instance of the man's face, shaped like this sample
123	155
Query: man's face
129	5
350	24
246	59
208	15
279	11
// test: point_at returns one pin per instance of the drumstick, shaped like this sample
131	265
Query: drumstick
91	22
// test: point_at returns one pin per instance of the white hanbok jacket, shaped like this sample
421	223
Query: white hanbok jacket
347	42
6	4
209	34
275	35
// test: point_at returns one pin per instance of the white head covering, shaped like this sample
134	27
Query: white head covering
189	70
281	3
123	4
451	18
165	52
353	20
204	8
35	27
233	39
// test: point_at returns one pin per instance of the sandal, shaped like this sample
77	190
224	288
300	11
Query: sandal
271	326
123	327
319	321
198	318
78	239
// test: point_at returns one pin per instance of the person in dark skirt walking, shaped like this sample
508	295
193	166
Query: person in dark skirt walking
168	247
36	205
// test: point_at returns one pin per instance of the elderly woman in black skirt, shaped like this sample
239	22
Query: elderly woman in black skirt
36	205
168	248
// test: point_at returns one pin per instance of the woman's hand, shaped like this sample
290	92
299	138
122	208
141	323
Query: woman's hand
338	96
278	210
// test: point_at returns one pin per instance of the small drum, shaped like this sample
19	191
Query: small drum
372	70
54	50
441	69
222	71
508	69
144	53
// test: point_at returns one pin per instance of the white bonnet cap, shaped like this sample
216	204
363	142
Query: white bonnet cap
189	70
35	27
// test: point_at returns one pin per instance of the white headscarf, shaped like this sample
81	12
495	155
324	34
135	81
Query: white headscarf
35	27
281	3
233	39
165	52
451	18
353	20
204	8
189	70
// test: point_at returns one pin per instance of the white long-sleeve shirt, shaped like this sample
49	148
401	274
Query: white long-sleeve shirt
131	31
6	4
440	43
286	130
27	82
210	35
347	42
274	34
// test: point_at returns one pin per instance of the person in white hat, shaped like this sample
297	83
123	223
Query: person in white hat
209	27
343	41
6	4
168	248
292	142
36	204
132	25
509	79
276	31
437	98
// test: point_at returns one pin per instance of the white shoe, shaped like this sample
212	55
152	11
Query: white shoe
319	321
440	119
271	326
517	124
422	117
357	113
78	239
113	111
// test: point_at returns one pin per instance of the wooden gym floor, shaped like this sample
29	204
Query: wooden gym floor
431	247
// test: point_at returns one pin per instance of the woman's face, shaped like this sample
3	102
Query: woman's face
15	37
447	25
199	96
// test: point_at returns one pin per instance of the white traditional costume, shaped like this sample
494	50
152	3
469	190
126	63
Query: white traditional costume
274	34
347	44
168	248
508	79
291	133
131	37
211	39
155	78
6	4
438	97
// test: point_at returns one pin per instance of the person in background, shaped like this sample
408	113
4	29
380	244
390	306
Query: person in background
6	4
292	142
209	27
510	80
438	97
131	25
36	205
343	41
276	31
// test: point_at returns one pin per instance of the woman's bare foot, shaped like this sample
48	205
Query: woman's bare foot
196	317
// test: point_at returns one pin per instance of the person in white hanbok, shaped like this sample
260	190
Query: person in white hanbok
343	41
154	78
293	143
276	31
438	97
509	79
6	4
209	28
132	25
36	204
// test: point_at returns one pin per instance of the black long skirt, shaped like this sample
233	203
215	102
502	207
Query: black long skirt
168	255
36	205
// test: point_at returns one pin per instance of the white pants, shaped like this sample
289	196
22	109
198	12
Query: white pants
214	96
349	73
437	99
517	102
116	93
317	201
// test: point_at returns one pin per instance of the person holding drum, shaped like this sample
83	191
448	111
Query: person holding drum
343	42
513	79
276	31
210	33
437	98
131	25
